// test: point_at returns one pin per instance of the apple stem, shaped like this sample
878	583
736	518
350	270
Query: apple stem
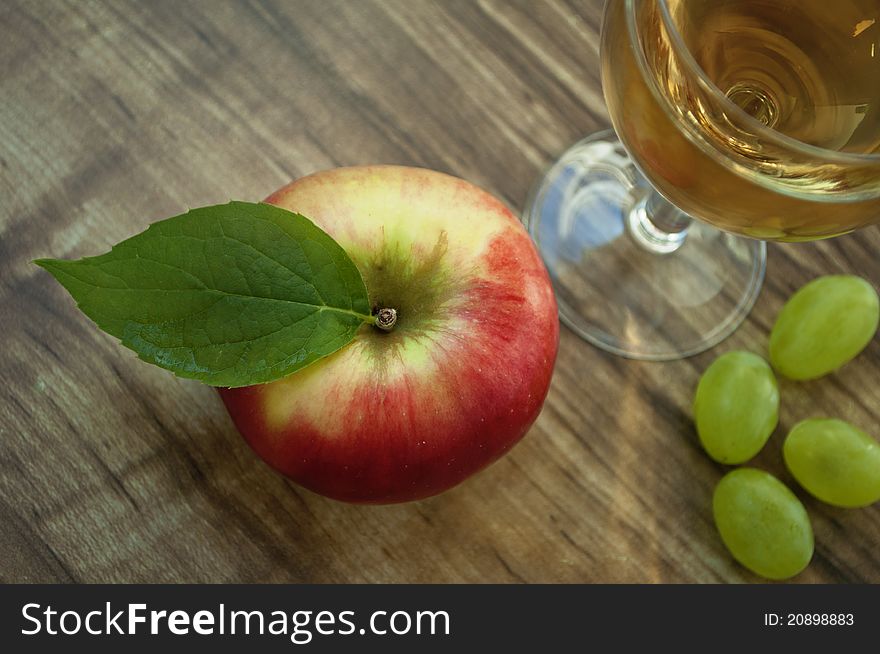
386	318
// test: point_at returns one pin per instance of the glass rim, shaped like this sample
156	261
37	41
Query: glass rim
759	128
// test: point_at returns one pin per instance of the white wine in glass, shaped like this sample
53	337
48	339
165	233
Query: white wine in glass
761	117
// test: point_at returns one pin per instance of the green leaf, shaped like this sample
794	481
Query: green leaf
231	295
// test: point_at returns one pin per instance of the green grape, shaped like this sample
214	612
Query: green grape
834	461
762	523
823	326
736	406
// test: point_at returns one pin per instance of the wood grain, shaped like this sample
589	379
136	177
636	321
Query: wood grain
116	114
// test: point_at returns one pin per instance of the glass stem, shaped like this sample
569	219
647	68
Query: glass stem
656	224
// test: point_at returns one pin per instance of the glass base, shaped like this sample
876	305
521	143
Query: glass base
624	285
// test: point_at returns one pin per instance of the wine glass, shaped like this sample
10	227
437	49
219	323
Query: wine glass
758	118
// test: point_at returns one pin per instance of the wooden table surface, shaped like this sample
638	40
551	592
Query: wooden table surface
117	114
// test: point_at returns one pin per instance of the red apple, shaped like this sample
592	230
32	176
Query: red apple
401	415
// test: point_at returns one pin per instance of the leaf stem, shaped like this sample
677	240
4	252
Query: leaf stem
370	320
384	319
